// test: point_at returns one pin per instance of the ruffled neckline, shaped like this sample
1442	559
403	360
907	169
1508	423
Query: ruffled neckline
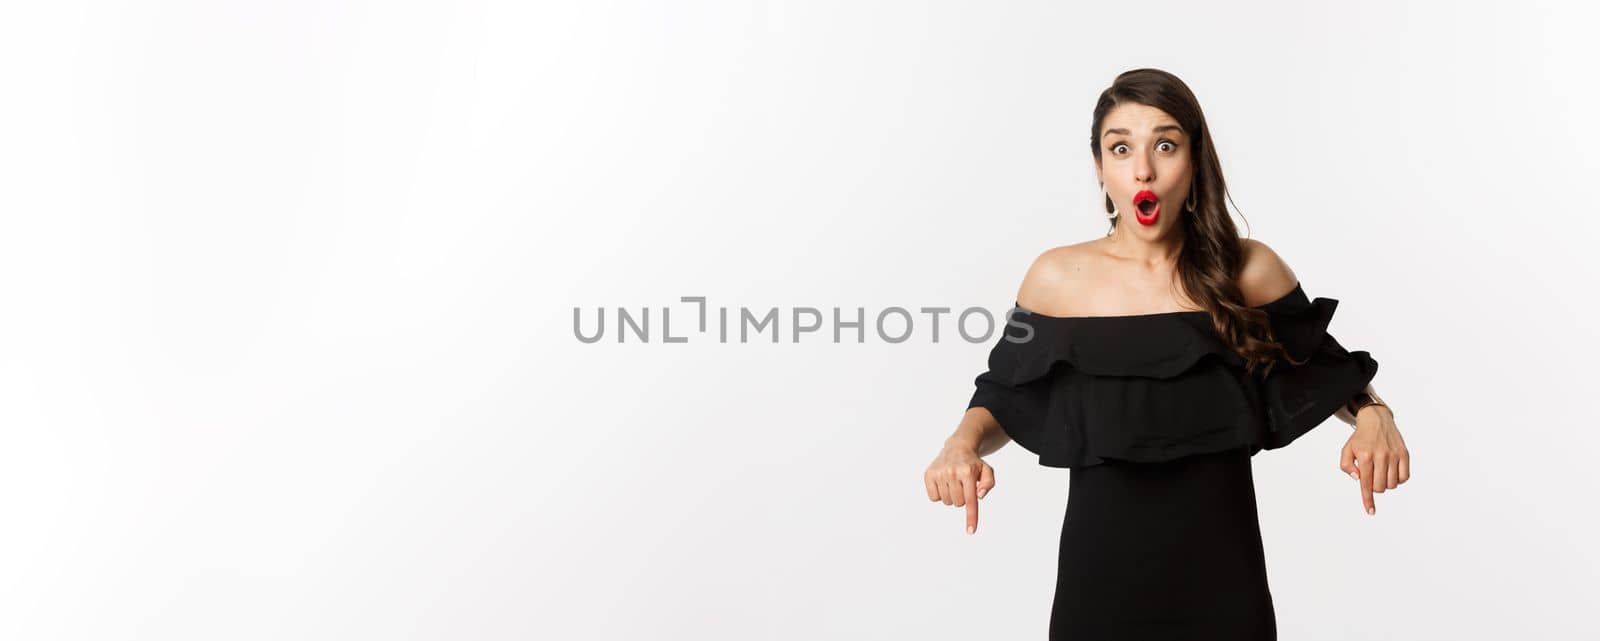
1148	345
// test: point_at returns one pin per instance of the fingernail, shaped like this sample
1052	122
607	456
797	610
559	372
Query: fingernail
970	529
1371	511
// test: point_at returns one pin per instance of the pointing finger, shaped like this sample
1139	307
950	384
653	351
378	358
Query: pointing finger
971	490
1366	485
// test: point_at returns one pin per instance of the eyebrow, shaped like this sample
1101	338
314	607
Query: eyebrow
1157	130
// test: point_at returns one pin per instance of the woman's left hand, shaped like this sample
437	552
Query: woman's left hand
1376	455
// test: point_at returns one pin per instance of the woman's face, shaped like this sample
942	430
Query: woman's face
1143	148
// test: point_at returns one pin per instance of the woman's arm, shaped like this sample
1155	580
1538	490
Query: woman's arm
1052	277
1265	277
978	431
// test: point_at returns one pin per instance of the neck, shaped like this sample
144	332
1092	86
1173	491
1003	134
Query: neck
1154	253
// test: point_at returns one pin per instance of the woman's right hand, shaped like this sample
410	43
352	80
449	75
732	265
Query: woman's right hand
958	477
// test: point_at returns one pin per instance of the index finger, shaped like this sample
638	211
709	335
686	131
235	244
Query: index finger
970	489
1366	484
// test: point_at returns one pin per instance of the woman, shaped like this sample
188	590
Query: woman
1154	363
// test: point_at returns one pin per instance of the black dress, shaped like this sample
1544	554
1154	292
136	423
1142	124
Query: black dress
1158	421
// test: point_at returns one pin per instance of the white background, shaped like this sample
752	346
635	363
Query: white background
288	294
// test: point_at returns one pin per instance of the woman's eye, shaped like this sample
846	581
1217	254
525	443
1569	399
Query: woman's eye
1171	146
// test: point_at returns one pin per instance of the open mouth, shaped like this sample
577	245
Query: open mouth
1147	203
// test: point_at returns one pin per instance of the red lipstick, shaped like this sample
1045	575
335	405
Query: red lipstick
1146	207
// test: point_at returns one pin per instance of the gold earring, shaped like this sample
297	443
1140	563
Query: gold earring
1190	203
1113	213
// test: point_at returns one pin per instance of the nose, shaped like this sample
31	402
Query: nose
1143	170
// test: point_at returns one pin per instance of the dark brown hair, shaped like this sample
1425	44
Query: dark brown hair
1212	253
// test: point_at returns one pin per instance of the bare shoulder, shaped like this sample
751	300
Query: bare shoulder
1264	275
1054	279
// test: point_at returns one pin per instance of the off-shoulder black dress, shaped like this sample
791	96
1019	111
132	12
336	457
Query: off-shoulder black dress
1158	421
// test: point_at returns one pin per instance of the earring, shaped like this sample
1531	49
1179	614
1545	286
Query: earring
1113	213
1190	203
